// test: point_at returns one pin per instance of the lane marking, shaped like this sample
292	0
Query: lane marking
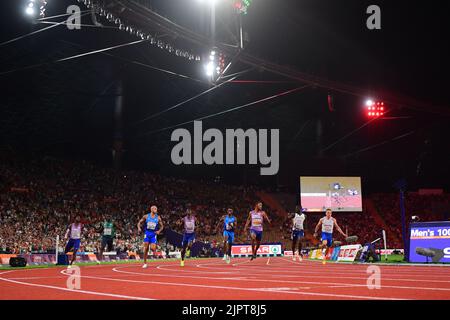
75	291
242	289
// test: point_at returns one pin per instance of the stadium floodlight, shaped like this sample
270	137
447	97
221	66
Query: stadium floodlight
210	69
210	2
30	9
369	102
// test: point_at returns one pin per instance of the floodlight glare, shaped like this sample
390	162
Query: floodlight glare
369	102
29	11
210	69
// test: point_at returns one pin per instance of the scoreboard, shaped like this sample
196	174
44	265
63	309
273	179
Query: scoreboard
430	236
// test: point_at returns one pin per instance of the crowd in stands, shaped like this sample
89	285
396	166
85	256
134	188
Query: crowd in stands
38	199
426	207
360	224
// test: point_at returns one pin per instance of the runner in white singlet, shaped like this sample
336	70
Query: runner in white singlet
328	223
297	233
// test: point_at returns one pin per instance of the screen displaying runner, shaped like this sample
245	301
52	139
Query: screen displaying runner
337	193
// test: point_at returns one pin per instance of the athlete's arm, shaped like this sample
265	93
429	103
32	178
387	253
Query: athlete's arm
67	232
161	224
220	221
141	222
267	217
339	229
317	227
248	221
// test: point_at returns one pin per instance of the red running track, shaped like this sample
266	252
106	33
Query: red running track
213	279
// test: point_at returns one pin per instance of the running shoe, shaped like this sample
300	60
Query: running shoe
182	263
228	259
144	266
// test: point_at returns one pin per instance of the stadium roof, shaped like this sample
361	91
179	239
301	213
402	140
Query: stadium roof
56	105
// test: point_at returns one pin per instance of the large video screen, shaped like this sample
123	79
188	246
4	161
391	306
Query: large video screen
338	193
429	241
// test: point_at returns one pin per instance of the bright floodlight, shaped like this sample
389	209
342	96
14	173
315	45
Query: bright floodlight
211	2
29	11
369	102
210	69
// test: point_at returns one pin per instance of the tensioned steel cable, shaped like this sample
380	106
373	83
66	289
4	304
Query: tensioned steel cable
56	24
183	102
73	57
228	110
380	144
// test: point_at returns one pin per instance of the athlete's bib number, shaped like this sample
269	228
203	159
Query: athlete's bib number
257	222
108	231
189	226
151	225
230	226
76	234
298	225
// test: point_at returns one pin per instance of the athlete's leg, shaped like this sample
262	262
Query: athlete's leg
146	245
294	244
253	236
300	247
183	250
258	243
102	248
153	248
225	245
229	244
74	256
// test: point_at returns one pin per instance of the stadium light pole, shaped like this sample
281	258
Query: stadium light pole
401	185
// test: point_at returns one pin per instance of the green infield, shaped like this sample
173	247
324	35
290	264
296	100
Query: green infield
82	264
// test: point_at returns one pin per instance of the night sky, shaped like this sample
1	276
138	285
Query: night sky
66	108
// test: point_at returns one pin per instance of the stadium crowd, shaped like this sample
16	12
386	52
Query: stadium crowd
39	198
426	207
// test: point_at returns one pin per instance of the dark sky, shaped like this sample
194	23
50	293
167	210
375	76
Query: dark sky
67	108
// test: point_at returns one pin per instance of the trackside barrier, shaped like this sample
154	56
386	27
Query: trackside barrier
265	250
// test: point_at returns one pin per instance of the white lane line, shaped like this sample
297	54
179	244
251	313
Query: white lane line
74	291
318	284
239	288
239	263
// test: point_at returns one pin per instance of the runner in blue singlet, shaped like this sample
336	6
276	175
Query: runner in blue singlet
153	227
229	225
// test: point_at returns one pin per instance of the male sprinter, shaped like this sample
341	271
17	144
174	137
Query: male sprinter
229	225
74	230
153	227
188	235
108	230
327	223
297	233
256	217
